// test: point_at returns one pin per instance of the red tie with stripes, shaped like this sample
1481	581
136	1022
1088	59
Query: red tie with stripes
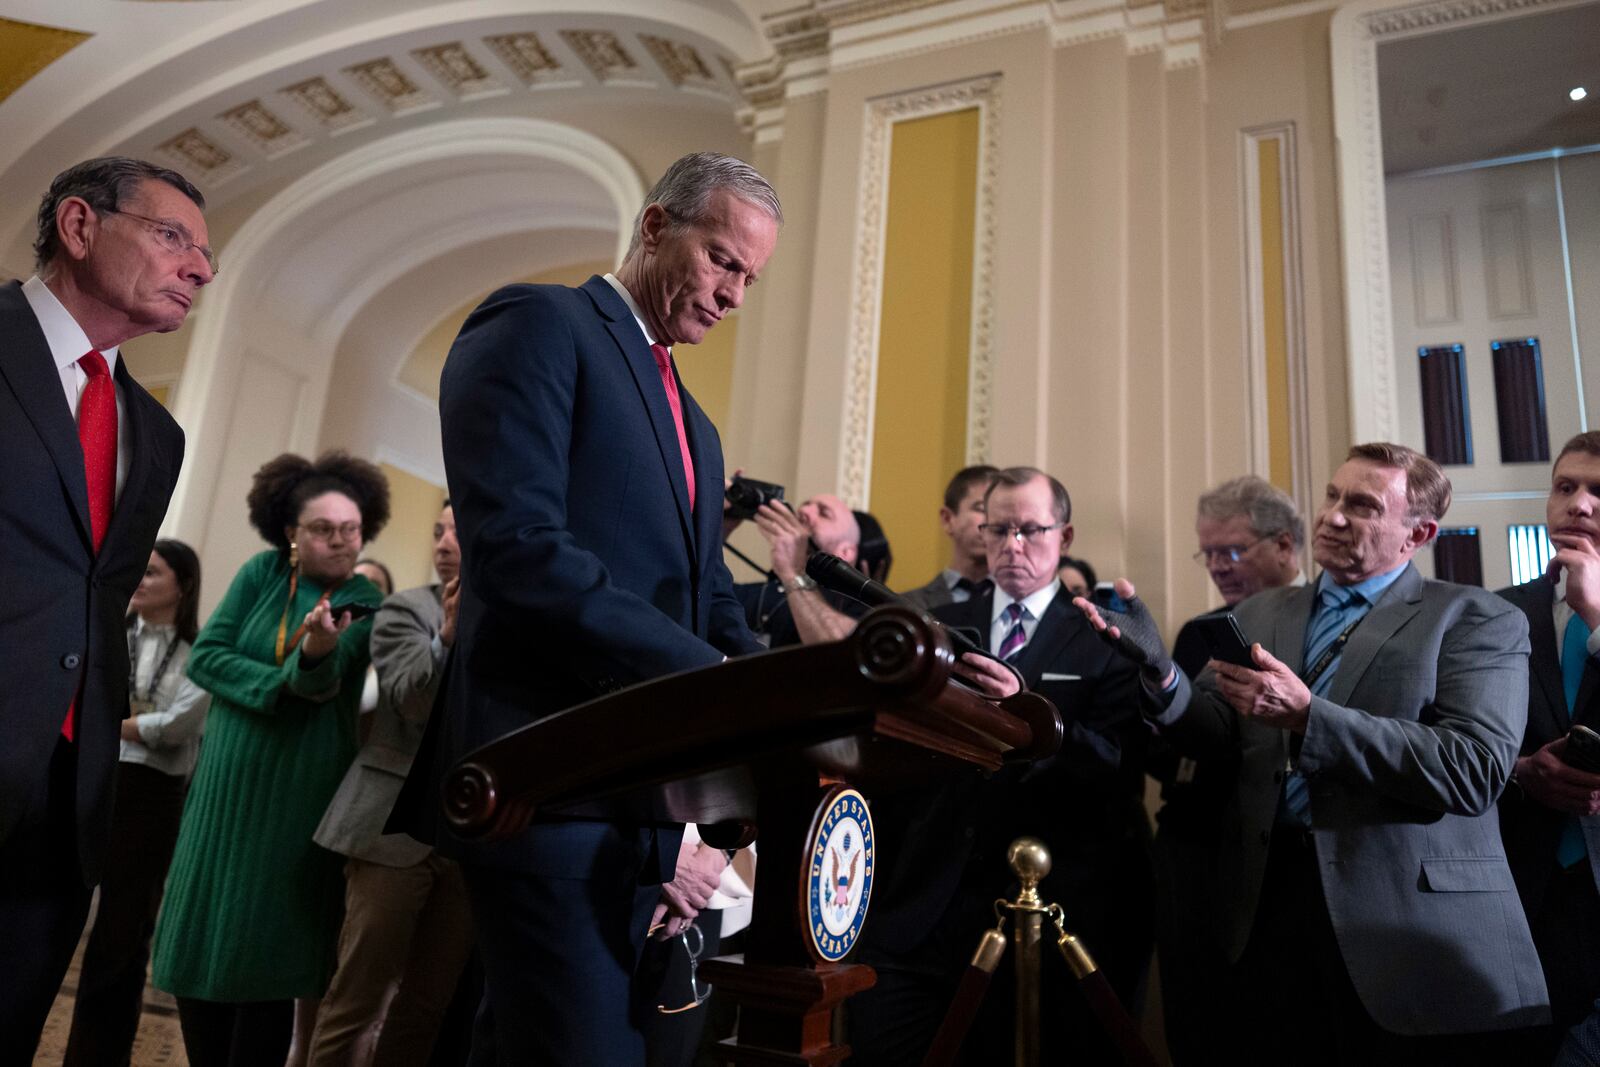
670	382
97	433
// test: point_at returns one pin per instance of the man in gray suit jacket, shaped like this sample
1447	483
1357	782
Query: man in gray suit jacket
1373	915
406	913
960	517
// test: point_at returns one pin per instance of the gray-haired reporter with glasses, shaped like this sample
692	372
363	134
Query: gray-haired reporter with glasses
1250	536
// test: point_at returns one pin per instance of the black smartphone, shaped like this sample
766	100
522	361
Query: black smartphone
1583	749
1225	641
355	611
1104	595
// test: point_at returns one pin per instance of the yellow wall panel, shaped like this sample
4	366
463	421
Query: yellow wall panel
406	544
1275	315
919	436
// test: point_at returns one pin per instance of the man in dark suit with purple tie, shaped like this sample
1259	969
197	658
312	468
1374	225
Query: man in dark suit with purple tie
90	461
587	486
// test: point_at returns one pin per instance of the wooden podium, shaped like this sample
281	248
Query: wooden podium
755	745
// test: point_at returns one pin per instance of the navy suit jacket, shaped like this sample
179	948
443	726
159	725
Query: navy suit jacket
1531	830
583	568
943	849
64	605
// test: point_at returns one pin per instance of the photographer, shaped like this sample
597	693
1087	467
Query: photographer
789	608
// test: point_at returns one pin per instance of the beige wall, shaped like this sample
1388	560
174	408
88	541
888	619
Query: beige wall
1118	279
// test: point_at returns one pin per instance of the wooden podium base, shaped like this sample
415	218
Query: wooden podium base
785	1013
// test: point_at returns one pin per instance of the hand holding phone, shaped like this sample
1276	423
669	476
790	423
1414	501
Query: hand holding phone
1583	749
1225	641
356	612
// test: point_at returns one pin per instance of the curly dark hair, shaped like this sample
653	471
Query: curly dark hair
283	485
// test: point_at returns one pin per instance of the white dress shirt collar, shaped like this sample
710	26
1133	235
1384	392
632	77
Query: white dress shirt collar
627	298
1036	602
68	343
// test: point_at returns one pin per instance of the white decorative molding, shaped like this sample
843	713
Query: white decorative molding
866	303
1355	33
1293	286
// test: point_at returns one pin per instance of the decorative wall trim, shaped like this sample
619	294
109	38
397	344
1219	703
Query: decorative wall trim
861	362
1355	34
1293	288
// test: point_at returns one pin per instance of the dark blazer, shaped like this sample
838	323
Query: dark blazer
949	843
583	569
64	606
1531	830
936	594
1404	759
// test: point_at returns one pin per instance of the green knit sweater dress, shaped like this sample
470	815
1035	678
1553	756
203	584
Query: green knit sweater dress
253	907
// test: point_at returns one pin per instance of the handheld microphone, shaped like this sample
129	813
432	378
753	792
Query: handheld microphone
837	576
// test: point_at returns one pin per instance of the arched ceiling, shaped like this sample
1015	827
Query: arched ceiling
245	96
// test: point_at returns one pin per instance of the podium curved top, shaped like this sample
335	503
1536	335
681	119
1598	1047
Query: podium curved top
876	709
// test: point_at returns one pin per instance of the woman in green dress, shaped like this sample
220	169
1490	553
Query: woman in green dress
252	908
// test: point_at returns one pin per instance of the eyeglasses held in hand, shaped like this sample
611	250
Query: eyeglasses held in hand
694	948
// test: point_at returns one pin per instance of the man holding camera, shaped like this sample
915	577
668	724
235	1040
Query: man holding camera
1548	816
790	608
1366	896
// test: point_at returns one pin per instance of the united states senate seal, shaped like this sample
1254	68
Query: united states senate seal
838	882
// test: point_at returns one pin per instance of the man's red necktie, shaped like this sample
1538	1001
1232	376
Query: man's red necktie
670	381
97	433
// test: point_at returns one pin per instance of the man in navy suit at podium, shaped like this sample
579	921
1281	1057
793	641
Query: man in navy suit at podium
587	486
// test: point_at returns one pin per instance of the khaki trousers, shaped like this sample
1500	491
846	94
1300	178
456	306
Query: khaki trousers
405	926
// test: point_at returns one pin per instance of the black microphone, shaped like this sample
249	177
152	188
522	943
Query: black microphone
837	576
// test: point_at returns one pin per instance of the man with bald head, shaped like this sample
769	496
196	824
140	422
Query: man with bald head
90	463
789	608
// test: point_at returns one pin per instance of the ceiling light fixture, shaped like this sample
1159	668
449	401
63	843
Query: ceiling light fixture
1579	93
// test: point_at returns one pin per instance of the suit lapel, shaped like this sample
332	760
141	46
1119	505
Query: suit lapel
27	366
1396	607
972	614
1547	717
1289	627
1053	633
647	379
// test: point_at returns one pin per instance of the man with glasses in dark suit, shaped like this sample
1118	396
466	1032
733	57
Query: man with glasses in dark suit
945	847
90	461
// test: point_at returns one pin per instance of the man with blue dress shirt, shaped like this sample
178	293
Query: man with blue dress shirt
1369	910
1550	817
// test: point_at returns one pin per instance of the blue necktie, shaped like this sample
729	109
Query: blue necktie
1574	656
1016	636
1334	614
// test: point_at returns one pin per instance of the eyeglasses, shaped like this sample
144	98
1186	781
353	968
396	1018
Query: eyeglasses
324	531
694	943
1231	553
174	237
997	533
